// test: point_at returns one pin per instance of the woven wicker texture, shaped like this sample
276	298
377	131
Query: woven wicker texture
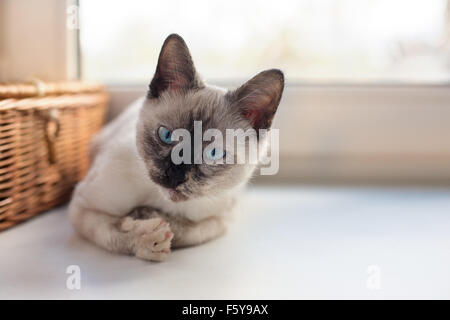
44	143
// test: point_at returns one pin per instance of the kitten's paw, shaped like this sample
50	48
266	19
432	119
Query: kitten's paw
151	237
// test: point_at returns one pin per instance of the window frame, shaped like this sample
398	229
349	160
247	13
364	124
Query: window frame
424	165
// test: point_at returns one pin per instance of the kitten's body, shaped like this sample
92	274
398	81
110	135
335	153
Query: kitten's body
128	202
118	185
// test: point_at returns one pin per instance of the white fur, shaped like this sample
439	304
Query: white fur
118	182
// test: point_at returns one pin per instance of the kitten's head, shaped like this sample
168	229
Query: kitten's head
176	98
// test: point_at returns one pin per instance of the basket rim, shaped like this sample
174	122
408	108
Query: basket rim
38	88
54	102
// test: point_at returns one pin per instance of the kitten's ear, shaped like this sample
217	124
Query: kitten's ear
259	97
175	70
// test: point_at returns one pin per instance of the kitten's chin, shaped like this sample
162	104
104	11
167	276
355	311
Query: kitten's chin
168	193
173	195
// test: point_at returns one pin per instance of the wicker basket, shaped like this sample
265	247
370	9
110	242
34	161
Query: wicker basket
45	131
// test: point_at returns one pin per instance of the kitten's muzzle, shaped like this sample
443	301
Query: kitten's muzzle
174	175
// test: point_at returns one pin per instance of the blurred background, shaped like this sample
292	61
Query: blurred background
313	41
366	99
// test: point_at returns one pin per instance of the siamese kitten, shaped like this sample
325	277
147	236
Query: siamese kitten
135	199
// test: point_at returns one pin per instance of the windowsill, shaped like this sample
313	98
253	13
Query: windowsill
285	243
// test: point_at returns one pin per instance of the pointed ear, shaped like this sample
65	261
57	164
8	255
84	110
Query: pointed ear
175	70
259	97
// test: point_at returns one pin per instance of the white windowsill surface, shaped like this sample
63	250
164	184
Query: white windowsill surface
287	243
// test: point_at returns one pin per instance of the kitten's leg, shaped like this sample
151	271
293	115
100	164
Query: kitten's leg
186	232
147	239
189	233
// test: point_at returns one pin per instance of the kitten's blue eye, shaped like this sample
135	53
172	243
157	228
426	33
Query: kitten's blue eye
215	154
165	135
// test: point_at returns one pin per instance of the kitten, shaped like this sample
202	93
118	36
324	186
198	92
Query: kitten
134	199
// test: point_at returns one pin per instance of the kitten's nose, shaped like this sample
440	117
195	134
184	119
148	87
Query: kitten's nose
175	175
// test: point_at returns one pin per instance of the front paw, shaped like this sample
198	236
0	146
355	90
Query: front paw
151	238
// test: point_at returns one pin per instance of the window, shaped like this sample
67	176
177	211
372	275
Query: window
332	130
345	41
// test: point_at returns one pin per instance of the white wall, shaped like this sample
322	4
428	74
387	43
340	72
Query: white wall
35	42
